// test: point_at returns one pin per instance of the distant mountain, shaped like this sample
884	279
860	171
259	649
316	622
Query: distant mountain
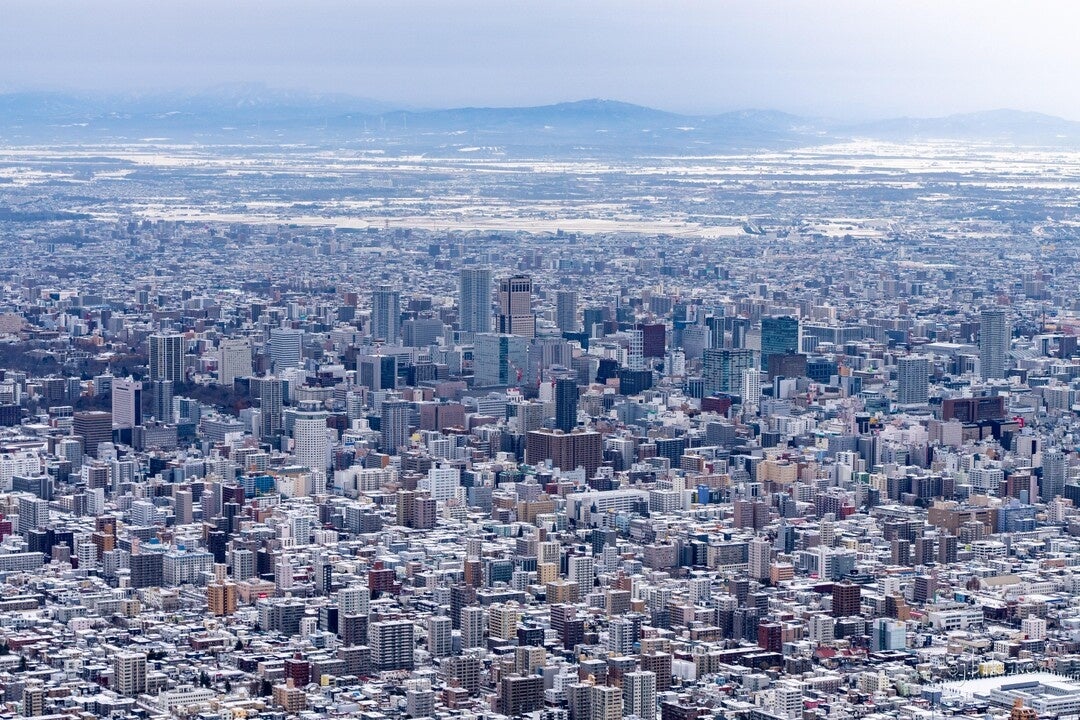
1011	126
252	113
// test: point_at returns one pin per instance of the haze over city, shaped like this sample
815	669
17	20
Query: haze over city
843	58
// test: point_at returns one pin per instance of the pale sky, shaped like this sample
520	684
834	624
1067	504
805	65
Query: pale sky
837	58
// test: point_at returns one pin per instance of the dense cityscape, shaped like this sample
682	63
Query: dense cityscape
469	403
268	469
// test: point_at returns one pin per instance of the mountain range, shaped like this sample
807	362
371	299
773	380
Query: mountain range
253	114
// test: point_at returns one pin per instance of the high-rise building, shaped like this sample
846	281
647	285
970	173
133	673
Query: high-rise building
760	555
474	300
639	694
472	627
605	703
779	336
566	451
994	334
162	396
377	372
520	695
311	446
499	359
722	369
846	600
912	374
167	357
271	406
391	644
566	311
94	427
129	673
439	636
566	404
515	306
385	314
126	402
394	426
234	360
286	348
1053	475
751	387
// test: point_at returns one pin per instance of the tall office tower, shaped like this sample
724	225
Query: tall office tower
161	392
499	360
912	380
439	636
566	311
722	369
994	333
377	372
385	314
639	694
129	673
94	427
167	357
286	348
635	354
474	300
311	446
391	644
515	306
234	360
271	406
126	402
394	426
566	404
472	627
1053	478
779	336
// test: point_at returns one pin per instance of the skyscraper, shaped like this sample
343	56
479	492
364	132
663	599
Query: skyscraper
385	314
1053	477
162	395
912	383
126	402
779	336
286	348
722	369
566	404
310	443
994	332
394	425
474	300
515	306
167	357
566	311
234	359
271	401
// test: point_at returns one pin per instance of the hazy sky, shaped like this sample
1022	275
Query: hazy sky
842	58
